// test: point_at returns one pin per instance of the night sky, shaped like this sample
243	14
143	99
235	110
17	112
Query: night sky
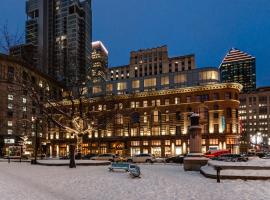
208	28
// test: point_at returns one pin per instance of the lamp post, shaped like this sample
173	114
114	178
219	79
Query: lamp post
256	139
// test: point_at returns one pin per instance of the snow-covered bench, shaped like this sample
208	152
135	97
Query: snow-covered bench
133	169
124	166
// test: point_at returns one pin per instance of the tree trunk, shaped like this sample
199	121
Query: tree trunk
79	146
72	163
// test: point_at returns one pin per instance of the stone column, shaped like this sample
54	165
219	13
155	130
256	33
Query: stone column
195	140
194	160
195	132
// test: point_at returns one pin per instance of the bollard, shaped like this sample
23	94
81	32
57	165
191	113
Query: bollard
218	173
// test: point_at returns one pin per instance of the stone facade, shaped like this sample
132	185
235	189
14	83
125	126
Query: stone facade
157	122
16	106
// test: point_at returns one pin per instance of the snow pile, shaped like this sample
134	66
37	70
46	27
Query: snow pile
27	182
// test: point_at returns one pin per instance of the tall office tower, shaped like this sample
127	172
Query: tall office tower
99	62
239	67
61	32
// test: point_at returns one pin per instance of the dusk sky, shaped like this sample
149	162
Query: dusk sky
207	28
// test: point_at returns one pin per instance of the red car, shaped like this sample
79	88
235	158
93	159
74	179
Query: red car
215	153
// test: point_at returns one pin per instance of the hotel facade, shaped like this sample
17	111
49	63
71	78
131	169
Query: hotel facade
144	107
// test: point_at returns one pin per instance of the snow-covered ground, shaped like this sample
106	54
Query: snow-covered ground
67	161
26	182
253	161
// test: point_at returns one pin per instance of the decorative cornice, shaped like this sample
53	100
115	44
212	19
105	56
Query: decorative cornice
209	87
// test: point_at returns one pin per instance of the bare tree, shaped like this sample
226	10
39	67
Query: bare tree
67	113
9	39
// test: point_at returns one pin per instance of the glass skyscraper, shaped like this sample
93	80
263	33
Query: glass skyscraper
239	67
61	32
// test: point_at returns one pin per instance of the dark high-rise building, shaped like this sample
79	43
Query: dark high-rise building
61	32
24	52
239	67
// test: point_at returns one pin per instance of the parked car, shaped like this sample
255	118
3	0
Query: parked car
88	156
261	154
142	158
175	159
215	153
267	156
107	156
160	160
232	158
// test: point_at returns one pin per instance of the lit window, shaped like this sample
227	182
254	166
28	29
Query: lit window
24	108
24	100
100	107
145	104
158	102
10	97
150	82
177	100
10	132
119	119
40	84
145	143
177	142
156	131
136	84
121	86
109	87
208	75
156	116
120	106
165	80
10	123
97	89
132	104
145	117
167	102
156	142
180	78
135	143
10	106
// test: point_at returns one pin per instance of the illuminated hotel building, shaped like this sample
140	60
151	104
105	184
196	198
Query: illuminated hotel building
239	67
146	105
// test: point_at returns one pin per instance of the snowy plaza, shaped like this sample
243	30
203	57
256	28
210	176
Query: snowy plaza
158	181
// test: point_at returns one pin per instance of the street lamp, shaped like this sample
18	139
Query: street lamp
256	139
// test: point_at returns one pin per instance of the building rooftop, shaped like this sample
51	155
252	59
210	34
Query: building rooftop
100	44
235	55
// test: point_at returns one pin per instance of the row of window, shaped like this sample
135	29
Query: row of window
166	102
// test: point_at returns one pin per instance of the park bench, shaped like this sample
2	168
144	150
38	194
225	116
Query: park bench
133	169
124	166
